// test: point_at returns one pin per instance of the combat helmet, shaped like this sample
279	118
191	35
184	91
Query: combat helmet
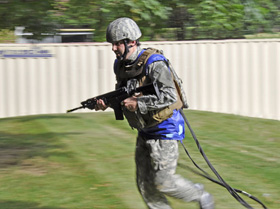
121	29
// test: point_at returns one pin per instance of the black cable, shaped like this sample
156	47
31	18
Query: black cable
207	176
221	182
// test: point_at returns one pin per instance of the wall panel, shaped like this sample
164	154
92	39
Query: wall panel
231	76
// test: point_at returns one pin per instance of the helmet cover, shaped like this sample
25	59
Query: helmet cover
123	28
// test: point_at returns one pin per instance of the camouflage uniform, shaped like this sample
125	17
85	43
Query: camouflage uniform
156	162
156	158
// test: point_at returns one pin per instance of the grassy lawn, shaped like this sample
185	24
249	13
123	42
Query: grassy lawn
86	160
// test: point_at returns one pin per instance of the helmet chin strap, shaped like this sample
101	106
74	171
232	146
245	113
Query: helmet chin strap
125	51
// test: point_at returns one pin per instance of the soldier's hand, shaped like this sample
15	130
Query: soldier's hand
100	105
130	104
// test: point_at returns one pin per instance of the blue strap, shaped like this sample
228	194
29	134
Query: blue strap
155	58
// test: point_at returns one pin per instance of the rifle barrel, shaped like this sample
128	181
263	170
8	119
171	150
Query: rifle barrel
74	109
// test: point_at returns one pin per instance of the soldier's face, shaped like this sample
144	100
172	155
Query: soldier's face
119	49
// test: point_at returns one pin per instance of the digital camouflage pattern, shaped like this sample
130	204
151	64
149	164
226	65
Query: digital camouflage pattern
123	28
156	159
156	162
150	104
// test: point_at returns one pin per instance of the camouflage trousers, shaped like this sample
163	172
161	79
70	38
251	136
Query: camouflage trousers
156	162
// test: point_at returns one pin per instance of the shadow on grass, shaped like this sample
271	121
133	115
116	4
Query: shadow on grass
24	205
32	141
43	117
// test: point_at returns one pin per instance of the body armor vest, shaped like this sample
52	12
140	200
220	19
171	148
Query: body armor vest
136	74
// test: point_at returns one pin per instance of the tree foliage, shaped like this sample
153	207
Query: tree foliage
219	19
149	14
158	19
34	15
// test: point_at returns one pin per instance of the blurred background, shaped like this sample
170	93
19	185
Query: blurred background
53	55
159	20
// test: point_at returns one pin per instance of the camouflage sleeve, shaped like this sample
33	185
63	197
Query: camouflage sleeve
159	72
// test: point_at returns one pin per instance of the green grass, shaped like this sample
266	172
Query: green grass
263	36
85	161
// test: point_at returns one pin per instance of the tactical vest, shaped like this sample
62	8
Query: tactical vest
138	72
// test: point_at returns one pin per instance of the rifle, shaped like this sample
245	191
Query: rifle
114	98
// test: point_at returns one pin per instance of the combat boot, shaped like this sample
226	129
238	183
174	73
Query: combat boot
206	201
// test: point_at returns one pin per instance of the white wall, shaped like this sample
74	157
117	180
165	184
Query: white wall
233	76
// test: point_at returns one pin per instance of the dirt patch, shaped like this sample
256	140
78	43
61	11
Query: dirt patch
16	157
34	166
11	157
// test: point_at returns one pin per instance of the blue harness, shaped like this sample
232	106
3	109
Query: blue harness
171	128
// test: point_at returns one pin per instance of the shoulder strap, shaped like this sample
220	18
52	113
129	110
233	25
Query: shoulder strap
145	60
154	55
